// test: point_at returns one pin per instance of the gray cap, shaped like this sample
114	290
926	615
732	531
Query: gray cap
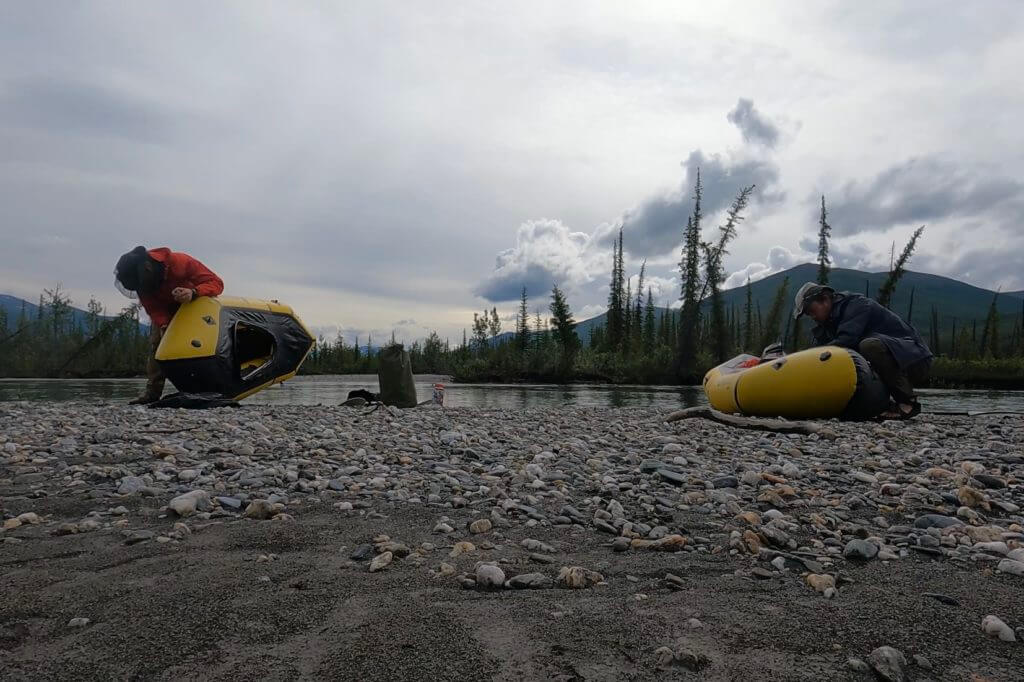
808	291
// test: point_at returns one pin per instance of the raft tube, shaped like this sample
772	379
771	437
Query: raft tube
823	382
233	347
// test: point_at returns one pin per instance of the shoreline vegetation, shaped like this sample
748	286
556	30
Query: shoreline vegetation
637	343
54	345
968	375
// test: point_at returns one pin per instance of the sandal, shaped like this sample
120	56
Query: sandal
915	409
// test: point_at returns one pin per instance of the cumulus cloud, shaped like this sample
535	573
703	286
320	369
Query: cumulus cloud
920	190
845	254
547	252
590	310
779	258
753	125
663	289
655	227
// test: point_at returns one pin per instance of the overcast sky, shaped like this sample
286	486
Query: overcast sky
397	166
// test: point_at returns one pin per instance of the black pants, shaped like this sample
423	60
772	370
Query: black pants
899	381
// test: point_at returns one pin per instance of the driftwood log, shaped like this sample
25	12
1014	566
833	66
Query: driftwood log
755	423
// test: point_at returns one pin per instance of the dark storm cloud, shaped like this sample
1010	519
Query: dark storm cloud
508	286
656	226
923	190
753	125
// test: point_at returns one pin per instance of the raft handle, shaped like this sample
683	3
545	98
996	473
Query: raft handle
825	356
779	363
196	343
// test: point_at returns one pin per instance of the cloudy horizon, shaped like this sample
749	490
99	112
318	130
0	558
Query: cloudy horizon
395	167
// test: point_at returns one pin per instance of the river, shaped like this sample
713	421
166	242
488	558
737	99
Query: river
327	390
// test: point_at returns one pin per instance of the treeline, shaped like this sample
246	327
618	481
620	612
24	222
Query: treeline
646	344
541	348
639	342
56	340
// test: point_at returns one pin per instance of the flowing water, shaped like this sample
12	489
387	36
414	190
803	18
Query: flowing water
328	390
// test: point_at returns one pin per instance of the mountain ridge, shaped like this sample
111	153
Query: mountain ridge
957	302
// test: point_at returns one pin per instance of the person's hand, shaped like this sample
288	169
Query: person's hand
182	295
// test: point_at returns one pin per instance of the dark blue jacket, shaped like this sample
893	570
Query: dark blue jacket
855	318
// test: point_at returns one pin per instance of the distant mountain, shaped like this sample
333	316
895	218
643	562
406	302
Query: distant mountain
957	302
13	307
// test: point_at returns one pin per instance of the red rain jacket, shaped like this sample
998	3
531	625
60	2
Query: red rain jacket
180	270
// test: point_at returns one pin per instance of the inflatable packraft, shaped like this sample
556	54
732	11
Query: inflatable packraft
818	383
233	347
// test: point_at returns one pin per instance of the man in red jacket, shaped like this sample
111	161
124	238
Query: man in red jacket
162	280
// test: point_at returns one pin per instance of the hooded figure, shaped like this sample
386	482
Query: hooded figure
162	280
894	348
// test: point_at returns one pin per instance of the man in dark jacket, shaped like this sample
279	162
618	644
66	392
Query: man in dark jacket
894	348
162	280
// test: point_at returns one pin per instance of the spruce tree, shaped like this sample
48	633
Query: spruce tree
770	328
479	332
538	327
565	331
638	307
689	276
749	333
494	322
616	304
990	334
964	349
824	232
649	338
896	272
737	335
523	323
714	255
627	330
934	341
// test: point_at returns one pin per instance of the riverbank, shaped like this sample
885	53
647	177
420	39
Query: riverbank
1005	374
242	543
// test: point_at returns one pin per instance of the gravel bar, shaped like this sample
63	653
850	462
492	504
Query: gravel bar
281	542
